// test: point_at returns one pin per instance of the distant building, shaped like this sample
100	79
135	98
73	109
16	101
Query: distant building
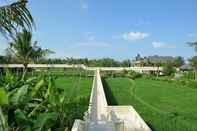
186	67
152	60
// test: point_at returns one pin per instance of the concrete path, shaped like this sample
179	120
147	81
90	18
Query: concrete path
101	126
101	117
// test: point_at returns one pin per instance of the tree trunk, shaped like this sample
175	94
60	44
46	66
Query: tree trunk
157	71
24	71
2	121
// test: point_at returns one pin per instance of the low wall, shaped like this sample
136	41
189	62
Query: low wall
130	117
78	125
102	116
139	69
98	103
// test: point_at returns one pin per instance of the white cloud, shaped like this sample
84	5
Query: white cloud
162	45
131	36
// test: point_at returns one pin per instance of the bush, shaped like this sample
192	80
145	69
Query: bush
36	103
189	75
134	75
169	70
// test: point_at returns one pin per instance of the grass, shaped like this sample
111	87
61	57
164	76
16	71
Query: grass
164	106
81	85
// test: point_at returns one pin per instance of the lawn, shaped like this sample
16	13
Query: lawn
164	106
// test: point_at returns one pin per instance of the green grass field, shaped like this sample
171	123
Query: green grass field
75	87
81	86
164	106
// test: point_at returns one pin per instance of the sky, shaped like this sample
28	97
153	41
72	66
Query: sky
119	29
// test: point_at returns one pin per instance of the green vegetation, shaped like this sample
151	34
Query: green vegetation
82	84
169	70
193	62
26	51
15	16
46	101
165	106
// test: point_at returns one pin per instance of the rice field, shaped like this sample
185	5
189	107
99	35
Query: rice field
164	106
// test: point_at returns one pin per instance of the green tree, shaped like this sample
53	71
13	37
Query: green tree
25	50
168	69
179	61
138	57
193	63
15	16
126	63
2	59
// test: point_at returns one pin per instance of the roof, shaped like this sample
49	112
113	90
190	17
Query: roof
186	67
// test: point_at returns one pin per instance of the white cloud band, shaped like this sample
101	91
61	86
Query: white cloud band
131	36
162	45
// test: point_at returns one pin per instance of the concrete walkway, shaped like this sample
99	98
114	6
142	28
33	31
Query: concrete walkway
101	117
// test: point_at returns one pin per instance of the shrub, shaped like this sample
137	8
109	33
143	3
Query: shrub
36	103
169	70
189	75
134	75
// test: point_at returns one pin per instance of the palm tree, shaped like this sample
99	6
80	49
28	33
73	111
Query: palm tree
193	63
193	60
193	44
15	16
25	50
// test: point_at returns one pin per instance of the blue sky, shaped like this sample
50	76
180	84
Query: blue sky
114	28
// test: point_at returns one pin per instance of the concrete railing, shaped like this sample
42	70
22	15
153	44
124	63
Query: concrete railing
98	103
78	125
139	69
100	116
126	68
131	119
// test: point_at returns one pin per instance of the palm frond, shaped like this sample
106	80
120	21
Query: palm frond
15	16
193	44
25	50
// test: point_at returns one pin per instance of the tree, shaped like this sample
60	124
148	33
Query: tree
126	63
25	50
138	57
15	16
179	61
193	44
2	59
169	69
193	63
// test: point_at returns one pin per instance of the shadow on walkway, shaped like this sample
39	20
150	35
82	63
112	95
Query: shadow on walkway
111	100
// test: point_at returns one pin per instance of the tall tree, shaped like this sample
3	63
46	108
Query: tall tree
25	50
15	16
178	61
193	63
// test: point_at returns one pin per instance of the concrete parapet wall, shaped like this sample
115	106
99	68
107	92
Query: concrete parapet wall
78	125
100	116
98	104
129	116
138	69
